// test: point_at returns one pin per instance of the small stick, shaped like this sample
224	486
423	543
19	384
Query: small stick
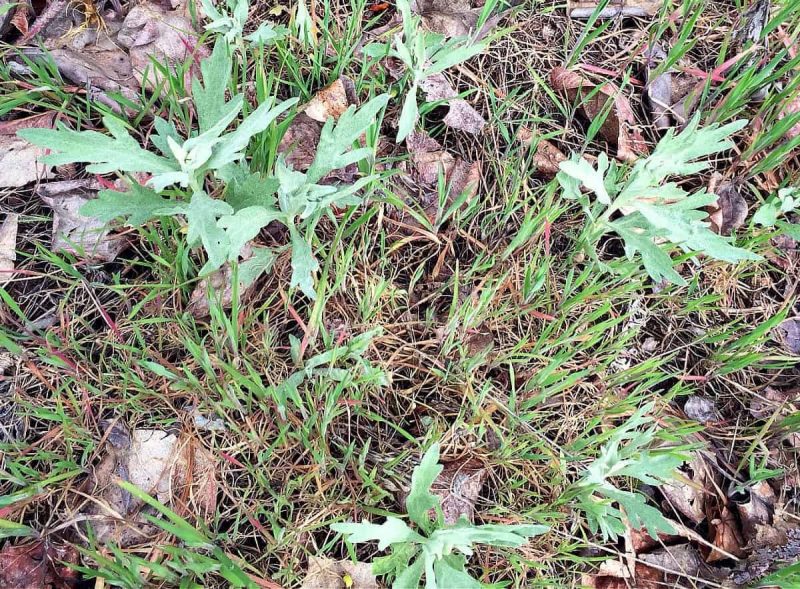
43	20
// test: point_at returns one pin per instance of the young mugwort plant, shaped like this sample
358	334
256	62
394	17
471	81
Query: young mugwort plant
431	549
214	157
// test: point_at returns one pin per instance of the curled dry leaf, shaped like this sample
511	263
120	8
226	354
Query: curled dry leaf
152	33
620	127
19	162
547	156
460	114
173	469
680	561
687	495
671	96
458	486
764	405
702	409
418	184
757	510
8	246
76	233
730	210
455	18
788	334
586	8
331	101
38	565
325	573
725	535
613	574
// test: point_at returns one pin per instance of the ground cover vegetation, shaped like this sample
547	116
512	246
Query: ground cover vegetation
401	294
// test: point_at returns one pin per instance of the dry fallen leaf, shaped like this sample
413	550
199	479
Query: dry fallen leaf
680	561
76	233
152	33
725	535
619	128
454	18
758	510
586	8
331	101
702	409
460	115
730	210
418	184
671	96
788	334
547	156
613	574
8	246
764	405
687	495
325	573
38	565
458	486
173	469
18	162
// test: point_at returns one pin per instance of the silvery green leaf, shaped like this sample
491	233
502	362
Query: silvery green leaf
409	578
453	576
304	265
409	114
657	262
590	177
243	226
116	153
260	262
267	34
209	95
392	531
246	189
229	149
137	206
160	181
420	500
202	214
165	130
337	138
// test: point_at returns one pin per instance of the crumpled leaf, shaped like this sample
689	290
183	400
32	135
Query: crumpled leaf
788	334
325	573
725	535
586	8
671	96
620	127
757	511
730	210
688	496
418	185
38	565
702	409
8	245
19	163
332	101
613	574
460	114
455	18
458	487
547	156
763	405
153	33
73	231
159	463
682	561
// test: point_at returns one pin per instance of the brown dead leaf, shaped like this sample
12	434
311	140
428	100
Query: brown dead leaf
38	565
8	246
730	210
788	335
20	19
418	184
687	495
40	121
725	535
458	486
671	96
770	400
175	470
791	107
586	8
460	114
331	101
19	162
454	18
620	128
680	561
76	233
152	33
757	511
325	573
547	156
613	574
